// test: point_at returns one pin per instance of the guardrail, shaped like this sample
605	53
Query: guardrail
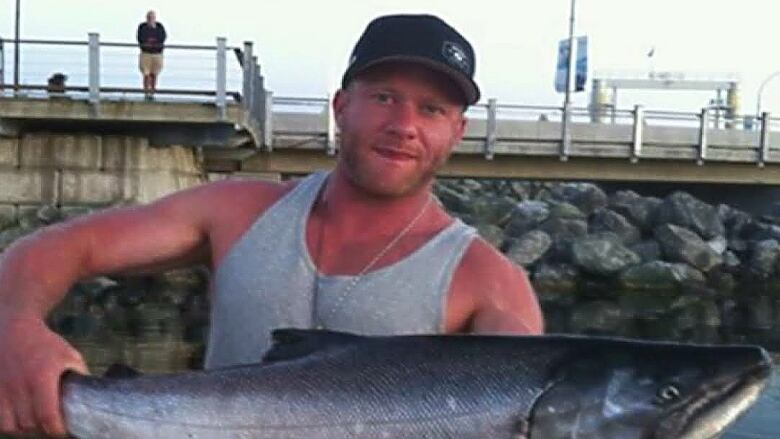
96	70
492	113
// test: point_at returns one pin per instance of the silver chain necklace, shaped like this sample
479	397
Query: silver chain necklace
317	321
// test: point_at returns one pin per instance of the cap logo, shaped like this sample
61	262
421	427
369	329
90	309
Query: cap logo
456	56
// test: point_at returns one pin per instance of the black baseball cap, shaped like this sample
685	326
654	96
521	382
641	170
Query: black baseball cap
423	39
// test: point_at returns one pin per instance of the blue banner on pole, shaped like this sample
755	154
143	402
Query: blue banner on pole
580	65
561	67
581	69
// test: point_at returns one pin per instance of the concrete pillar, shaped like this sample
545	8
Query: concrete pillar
733	99
92	170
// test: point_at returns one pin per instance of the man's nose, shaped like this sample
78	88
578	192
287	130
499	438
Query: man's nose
403	120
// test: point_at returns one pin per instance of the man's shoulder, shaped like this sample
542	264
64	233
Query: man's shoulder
225	201
235	190
482	260
144	25
480	250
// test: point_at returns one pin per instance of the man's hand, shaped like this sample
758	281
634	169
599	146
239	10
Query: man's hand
32	360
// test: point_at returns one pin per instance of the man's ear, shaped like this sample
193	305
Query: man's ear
339	103
461	128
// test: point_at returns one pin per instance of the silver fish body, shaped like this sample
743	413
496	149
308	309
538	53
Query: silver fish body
328	385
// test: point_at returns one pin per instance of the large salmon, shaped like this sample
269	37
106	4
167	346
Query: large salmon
329	385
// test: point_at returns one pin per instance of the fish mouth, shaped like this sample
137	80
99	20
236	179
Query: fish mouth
711	411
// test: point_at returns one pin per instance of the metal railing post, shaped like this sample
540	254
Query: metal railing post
2	62
330	143
94	68
221	97
639	122
262	106
268	121
17	49
256	102
248	69
490	135
763	155
704	123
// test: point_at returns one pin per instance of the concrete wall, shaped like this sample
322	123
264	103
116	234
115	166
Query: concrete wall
91	170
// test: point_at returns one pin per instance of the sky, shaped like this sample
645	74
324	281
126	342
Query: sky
303	45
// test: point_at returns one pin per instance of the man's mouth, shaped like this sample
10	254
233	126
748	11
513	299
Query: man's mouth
396	153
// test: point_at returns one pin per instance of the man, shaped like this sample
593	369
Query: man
151	38
364	248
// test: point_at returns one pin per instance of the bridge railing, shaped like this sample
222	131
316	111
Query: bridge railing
99	70
95	69
491	114
542	113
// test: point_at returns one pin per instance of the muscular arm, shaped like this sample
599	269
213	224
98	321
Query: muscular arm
490	294
37	271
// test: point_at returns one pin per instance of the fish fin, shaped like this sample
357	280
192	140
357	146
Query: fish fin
289	343
119	370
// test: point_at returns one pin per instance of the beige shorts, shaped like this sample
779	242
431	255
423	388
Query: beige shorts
150	63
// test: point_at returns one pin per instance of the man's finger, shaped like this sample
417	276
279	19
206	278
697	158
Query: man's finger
7	417
49	399
46	400
23	411
75	363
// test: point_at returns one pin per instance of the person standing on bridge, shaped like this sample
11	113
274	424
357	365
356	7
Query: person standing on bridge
365	248
151	39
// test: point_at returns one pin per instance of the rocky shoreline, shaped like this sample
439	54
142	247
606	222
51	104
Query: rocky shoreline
623	264
614	264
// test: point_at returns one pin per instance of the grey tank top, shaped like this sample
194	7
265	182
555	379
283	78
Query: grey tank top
267	281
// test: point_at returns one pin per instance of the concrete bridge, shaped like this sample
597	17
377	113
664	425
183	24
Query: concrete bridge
298	136
96	144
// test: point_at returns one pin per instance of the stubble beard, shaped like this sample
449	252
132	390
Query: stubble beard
370	180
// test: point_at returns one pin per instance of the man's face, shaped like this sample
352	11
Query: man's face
398	124
151	18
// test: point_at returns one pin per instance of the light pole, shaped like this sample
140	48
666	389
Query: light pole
761	91
565	128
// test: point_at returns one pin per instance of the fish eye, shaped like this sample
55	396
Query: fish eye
668	393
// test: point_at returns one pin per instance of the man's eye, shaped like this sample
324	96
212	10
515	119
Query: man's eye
383	98
433	109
